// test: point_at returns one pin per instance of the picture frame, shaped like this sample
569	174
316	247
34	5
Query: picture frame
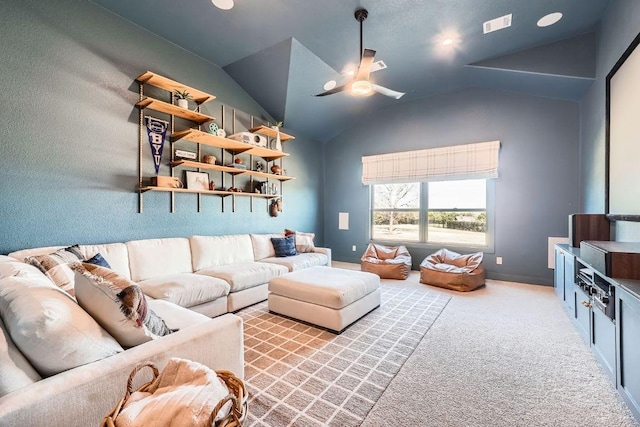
197	180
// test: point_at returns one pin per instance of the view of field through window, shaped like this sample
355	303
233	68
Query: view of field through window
455	211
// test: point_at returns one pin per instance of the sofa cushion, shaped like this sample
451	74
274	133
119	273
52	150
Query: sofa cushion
262	246
300	261
23	253
118	305
245	275
304	241
284	246
211	251
50	329
176	317
56	265
15	370
185	289
158	257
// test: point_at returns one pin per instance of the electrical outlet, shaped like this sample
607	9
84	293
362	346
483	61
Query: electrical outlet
353	248
499	260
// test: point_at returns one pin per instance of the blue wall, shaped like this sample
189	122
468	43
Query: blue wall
536	191
69	134
619	26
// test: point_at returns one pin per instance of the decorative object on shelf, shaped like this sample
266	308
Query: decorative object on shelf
275	207
284	172
156	131
250	138
278	143
238	161
234	190
212	127
186	155
197	180
212	185
276	169
166	181
259	167
221	133
209	159
183	98
274	188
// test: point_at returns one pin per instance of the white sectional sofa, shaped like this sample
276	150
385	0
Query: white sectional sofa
192	283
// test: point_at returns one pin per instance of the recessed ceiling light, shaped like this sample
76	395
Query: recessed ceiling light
447	42
549	19
223	4
329	85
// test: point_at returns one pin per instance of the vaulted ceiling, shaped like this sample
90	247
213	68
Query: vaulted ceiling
283	51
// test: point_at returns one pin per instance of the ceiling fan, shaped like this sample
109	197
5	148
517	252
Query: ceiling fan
360	85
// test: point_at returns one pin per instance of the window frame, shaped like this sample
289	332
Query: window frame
423	210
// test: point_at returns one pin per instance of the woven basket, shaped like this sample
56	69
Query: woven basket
237	395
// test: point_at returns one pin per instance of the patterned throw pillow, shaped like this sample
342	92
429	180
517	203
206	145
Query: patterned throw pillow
284	246
304	241
56	266
98	259
118	305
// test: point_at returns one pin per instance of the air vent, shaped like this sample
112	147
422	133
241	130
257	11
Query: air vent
378	65
497	24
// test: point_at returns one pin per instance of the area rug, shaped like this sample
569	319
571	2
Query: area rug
300	375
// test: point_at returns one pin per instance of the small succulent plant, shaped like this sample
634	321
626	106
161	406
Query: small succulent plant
182	94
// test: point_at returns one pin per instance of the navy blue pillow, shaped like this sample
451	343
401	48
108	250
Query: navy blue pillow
97	259
284	246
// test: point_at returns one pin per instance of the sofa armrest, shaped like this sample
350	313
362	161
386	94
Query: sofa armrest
84	395
326	251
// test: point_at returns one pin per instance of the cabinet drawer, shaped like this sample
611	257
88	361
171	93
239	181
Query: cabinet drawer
629	349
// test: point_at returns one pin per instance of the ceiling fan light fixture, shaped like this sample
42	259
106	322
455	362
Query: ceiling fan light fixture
361	88
330	85
223	4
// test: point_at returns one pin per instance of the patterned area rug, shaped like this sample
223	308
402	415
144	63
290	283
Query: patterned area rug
300	375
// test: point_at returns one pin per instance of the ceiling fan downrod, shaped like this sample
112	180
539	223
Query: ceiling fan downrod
361	15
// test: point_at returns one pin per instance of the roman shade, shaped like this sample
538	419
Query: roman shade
469	161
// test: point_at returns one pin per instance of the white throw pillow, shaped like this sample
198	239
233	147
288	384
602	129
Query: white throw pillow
304	241
50	329
118	305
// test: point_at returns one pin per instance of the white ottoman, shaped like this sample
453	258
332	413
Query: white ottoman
328	297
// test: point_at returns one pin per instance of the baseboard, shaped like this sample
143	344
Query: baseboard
520	279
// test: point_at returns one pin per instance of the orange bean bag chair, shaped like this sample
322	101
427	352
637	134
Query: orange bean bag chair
387	262
448	269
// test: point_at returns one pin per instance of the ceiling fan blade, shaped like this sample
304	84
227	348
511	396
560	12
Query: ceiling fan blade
387	92
335	90
365	64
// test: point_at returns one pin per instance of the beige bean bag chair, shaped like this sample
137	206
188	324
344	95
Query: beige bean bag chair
448	269
387	262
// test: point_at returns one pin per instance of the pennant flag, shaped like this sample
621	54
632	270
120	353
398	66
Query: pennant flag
156	130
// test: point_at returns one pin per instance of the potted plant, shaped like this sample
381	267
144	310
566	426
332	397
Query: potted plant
183	98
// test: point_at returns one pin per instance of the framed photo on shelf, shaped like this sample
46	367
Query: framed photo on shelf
197	180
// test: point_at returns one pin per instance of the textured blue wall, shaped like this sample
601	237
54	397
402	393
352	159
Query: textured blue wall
69	134
536	190
619	26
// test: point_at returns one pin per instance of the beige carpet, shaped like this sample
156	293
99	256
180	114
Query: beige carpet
300	375
504	355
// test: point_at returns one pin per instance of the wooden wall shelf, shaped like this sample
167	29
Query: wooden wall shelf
174	110
205	138
264	130
212	192
167	84
233	171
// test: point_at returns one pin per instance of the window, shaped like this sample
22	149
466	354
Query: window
439	212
